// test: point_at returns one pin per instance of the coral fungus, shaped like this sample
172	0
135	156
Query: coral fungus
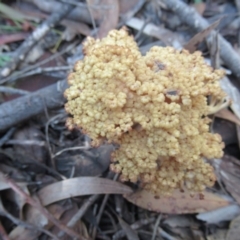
154	106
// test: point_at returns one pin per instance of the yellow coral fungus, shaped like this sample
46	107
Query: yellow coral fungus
154	106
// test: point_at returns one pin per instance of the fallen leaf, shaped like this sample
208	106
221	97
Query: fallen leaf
128	9
168	37
230	176
228	115
74	28
70	188
178	203
31	153
78	187
200	7
126	5
234	229
219	215
90	163
179	221
12	37
109	12
191	46
233	94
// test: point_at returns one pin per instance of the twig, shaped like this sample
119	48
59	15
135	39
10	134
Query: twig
141	29
19	74
20	109
189	16
156	226
40	208
10	90
40	70
135	226
100	212
37	34
7	136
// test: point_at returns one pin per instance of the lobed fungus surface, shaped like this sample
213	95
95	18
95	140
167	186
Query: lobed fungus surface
154	106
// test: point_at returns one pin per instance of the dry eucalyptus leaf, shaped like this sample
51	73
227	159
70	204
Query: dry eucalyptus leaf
228	115
86	163
182	221
126	5
78	187
108	10
79	227
165	35
200	7
219	215
178	203
74	28
191	46
233	93
230	176
234	229
20	233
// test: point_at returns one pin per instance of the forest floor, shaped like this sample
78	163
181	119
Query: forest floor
53	184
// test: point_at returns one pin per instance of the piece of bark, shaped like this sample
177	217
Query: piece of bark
20	109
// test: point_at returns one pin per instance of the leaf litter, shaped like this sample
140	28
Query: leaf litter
72	182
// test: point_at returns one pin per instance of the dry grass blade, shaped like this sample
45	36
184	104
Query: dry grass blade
78	187
191	46
178	202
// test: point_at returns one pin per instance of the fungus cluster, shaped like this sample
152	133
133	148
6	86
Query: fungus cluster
154	106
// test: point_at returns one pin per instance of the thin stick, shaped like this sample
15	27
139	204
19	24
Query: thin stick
76	217
156	226
10	90
22	108
37	35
